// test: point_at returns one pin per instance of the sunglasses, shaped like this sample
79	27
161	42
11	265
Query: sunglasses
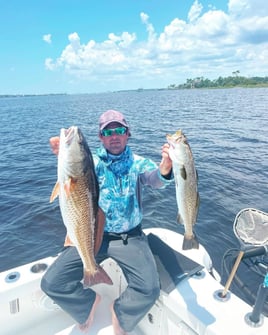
117	131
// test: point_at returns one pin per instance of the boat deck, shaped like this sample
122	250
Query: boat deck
188	303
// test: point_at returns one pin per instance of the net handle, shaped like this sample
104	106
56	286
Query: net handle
231	277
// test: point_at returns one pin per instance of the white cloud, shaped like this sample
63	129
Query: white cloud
149	27
49	64
47	38
195	11
212	43
247	8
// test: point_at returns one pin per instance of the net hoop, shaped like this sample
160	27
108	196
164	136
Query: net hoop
251	227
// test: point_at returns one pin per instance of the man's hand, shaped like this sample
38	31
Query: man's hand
165	165
55	144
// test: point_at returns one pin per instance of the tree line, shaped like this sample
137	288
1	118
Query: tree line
222	82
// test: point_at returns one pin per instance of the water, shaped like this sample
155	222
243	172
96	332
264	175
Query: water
227	130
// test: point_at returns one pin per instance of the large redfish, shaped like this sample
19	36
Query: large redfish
78	191
185	176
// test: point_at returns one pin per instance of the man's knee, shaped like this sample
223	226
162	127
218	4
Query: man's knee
51	288
152	293
45	286
155	292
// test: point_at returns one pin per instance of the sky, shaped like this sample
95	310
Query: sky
84	46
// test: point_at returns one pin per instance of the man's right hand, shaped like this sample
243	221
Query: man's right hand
55	144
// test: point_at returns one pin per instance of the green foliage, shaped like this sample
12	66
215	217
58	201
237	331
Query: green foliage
221	82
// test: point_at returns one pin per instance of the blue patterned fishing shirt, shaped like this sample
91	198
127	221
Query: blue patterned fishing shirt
121	179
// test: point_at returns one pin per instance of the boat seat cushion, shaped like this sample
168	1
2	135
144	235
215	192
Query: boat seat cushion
172	266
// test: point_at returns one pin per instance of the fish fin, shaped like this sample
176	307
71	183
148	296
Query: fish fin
99	228
68	242
179	219
197	202
190	243
55	192
100	276
183	172
196	208
69	186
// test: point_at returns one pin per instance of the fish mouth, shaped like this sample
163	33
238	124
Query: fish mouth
69	134
171	144
175	138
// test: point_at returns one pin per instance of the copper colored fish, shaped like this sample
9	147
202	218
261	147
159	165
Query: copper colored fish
78	191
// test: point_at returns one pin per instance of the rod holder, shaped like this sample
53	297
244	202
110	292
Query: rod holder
255	319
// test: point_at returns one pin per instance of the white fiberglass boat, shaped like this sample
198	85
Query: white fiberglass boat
192	300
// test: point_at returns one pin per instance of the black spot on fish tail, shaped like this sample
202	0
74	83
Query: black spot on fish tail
190	243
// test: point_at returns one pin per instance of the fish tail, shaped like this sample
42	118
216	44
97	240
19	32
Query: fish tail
100	276
190	243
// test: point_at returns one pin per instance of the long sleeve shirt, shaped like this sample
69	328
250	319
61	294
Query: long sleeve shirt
121	180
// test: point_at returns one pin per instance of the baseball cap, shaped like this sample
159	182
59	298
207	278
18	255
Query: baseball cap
112	116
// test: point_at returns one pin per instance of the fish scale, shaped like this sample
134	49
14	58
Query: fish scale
77	208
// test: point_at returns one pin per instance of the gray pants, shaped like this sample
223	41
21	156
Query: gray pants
61	282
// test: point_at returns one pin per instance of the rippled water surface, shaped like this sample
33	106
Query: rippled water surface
227	131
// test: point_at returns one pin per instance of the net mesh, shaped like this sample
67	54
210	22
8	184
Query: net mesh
251	226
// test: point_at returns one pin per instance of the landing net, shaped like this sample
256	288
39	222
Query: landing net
251	226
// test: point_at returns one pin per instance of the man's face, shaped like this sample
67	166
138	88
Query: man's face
115	143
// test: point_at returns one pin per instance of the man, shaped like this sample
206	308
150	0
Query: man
121	176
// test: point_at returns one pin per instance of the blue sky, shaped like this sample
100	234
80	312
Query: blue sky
84	46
